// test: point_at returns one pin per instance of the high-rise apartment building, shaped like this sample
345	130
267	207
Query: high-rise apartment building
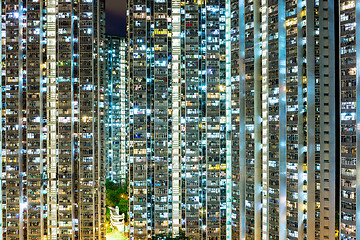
116	109
150	174
52	119
232	119
349	117
177	62
283	118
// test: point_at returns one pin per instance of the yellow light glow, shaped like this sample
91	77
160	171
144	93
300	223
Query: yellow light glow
290	22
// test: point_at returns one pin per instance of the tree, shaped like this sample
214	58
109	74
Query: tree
123	205
117	196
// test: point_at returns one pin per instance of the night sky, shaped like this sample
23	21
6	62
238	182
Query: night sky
116	17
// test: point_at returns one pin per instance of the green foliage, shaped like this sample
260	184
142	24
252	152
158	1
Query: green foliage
109	229
117	196
107	214
123	205
115	187
182	236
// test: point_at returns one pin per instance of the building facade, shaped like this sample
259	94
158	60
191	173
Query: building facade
116	109
349	115
283	81
232	119
177	62
52	115
283	78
